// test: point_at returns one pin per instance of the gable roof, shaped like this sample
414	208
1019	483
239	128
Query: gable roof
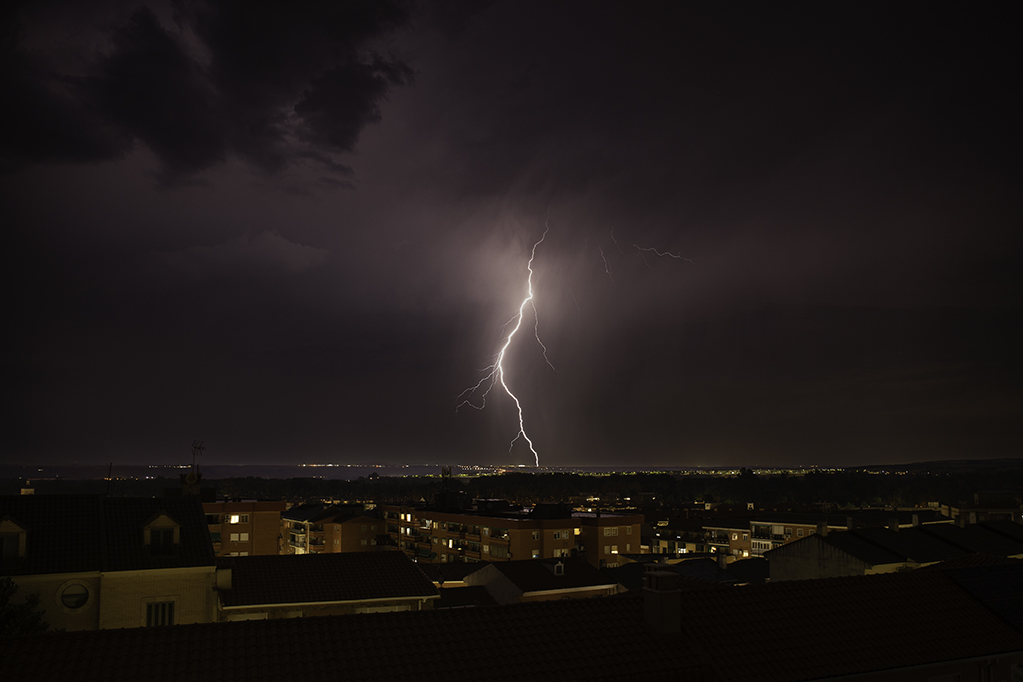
537	575
314	578
846	542
84	533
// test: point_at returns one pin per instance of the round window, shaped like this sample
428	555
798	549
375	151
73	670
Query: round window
74	596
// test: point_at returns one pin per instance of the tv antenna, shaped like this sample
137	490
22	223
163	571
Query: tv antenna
197	448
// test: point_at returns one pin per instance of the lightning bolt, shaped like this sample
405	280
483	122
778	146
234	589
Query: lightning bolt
676	256
495	372
607	266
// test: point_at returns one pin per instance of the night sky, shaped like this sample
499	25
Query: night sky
297	233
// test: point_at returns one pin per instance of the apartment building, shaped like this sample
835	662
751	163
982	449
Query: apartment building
244	528
328	529
603	536
491	532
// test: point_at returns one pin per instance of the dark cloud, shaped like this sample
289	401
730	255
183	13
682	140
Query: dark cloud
220	79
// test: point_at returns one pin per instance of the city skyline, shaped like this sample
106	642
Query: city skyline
773	238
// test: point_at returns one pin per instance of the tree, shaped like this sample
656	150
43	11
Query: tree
25	618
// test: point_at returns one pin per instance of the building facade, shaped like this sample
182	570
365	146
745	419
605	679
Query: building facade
244	528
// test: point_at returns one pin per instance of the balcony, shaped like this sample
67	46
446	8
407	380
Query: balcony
298	530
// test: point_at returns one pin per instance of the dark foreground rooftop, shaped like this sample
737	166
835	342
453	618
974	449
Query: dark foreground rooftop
778	632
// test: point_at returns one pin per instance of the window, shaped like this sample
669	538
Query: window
486	531
745	536
215	536
536	534
607	549
161	540
559	568
74	596
363	527
614	549
212	519
628	530
239	537
486	549
373	529
362	542
799	532
735	536
610	530
628	547
560	553
536	554
562	534
13	546
499	551
159	613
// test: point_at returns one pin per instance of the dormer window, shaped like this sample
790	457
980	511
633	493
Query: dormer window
161	533
559	568
13	538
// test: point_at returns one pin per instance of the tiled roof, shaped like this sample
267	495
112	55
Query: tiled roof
80	533
846	542
456	572
913	543
998	587
537	575
592	639
307	512
976	538
776	632
306	578
462	597
754	571
1006	528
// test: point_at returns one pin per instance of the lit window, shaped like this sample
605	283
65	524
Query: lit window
238	518
536	554
536	535
628	530
735	536
239	537
614	549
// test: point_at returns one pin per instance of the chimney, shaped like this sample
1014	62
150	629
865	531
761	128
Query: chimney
916	519
662	603
224	578
893	524
849	523
822	528
722	561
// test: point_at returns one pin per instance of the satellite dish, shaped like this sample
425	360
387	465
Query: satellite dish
191	478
